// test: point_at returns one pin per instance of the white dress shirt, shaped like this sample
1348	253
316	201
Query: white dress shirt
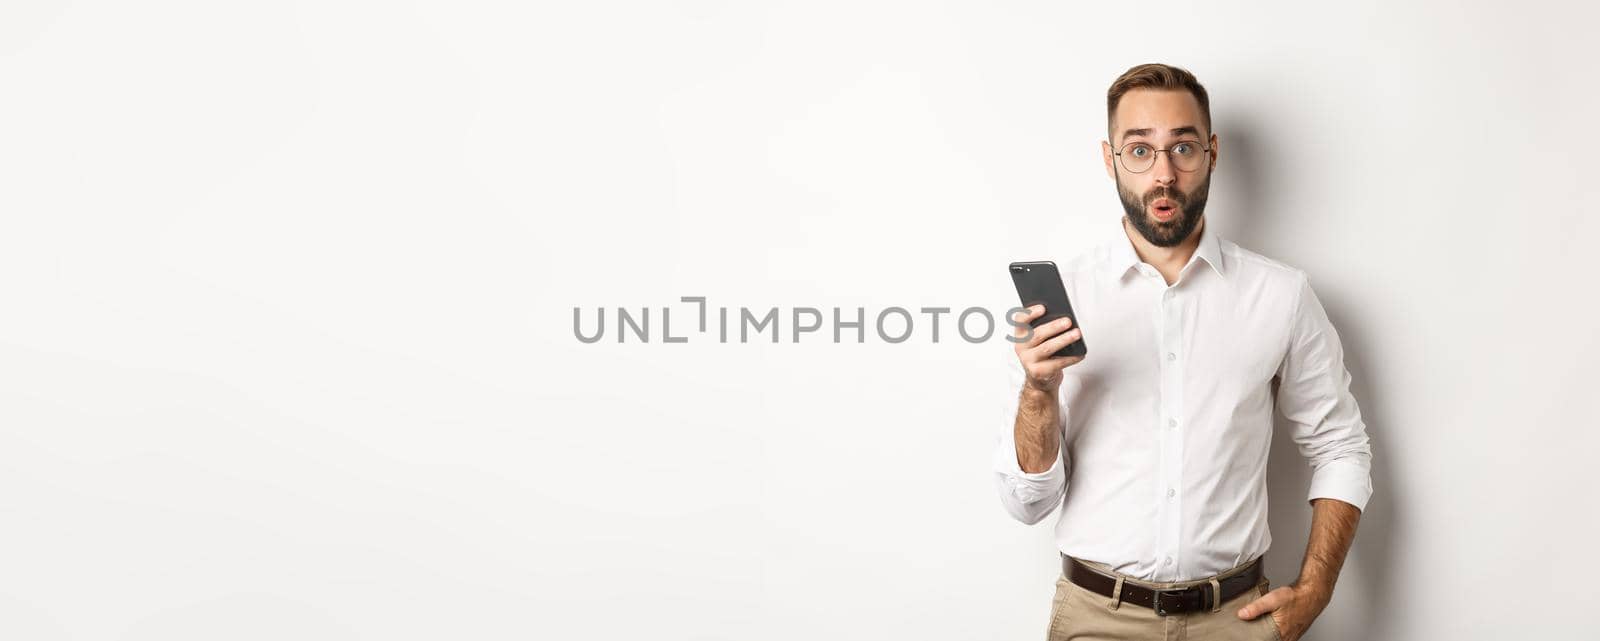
1167	421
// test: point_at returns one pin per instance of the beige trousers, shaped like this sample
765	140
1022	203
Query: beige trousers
1077	614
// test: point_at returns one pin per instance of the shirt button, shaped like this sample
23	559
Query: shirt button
1171	492
1171	356
1167	561
1172	422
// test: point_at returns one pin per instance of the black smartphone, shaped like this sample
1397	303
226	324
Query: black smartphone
1038	283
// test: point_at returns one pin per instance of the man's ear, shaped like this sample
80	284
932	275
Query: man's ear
1214	143
1105	152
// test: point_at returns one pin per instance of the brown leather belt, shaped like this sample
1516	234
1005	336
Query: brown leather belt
1164	602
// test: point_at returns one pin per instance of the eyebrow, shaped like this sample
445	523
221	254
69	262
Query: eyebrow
1177	131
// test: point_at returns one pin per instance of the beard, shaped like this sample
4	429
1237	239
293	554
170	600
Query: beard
1165	233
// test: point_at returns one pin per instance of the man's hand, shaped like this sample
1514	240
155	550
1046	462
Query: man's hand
1291	607
1294	607
1044	372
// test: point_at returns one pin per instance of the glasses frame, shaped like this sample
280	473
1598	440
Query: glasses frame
1168	149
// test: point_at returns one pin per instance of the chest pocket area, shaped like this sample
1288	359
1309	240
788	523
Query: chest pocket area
1241	358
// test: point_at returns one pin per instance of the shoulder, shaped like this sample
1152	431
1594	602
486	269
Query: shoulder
1255	269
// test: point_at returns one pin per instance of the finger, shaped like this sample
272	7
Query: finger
1049	330
1020	319
1060	363
1267	603
1028	313
1043	350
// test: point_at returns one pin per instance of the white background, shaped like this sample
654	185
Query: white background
286	296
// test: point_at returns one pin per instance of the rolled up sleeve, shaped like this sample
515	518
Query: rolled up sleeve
1314	395
1027	497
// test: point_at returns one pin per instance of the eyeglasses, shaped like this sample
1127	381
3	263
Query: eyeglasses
1139	157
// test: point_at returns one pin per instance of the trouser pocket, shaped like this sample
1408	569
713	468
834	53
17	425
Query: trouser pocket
1057	630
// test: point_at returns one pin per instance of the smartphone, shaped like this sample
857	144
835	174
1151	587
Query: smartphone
1038	283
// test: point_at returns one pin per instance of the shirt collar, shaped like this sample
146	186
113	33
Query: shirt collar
1123	257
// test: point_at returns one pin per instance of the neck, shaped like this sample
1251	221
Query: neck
1167	260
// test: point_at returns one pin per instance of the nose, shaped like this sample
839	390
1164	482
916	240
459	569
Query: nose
1164	172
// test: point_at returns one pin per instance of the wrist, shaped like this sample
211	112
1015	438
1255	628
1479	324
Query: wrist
1314	590
1038	387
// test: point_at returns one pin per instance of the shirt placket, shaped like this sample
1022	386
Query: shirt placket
1171	432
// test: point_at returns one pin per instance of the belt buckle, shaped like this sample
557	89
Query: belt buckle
1155	600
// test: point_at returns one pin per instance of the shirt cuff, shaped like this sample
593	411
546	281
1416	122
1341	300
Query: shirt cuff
1029	486
1345	480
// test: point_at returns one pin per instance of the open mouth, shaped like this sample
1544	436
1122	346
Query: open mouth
1163	209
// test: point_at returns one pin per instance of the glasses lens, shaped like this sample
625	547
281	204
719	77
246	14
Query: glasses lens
1186	155
1137	157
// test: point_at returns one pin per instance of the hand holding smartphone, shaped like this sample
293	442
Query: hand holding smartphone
1054	345
1039	283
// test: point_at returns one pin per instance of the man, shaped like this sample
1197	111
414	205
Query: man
1154	446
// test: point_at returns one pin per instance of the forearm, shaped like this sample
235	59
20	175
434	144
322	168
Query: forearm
1333	528
1037	432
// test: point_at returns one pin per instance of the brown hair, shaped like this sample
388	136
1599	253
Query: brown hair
1155	76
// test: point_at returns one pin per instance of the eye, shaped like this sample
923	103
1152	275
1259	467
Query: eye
1140	151
1183	148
